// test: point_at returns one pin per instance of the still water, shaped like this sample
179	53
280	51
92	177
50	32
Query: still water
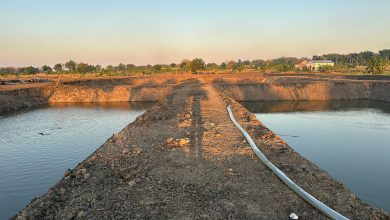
30	163
349	139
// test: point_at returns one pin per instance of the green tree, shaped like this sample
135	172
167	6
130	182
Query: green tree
46	69
83	68
376	65
239	66
223	66
71	66
283	67
365	57
230	64
8	70
197	64
265	66
109	68
246	62
212	66
385	54
130	67
30	70
185	65
58	67
121	67
315	57
157	68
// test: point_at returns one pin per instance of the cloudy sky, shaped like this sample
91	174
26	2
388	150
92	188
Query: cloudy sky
36	32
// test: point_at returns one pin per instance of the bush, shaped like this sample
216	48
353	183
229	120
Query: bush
197	64
326	69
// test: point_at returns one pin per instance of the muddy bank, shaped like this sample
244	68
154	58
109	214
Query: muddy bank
120	93
303	90
184	159
248	87
11	100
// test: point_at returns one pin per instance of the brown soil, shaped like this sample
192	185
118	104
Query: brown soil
242	87
184	159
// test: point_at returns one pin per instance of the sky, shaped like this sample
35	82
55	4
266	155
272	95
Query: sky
37	32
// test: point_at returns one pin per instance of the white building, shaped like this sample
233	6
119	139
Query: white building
316	64
313	65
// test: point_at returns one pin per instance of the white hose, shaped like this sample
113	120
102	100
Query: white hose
302	193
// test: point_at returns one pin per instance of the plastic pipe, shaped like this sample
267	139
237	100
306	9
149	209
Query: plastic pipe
302	193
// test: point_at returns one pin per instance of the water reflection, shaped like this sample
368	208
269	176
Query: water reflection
111	105
305	106
349	139
37	145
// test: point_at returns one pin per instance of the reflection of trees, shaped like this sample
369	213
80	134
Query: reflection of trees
304	106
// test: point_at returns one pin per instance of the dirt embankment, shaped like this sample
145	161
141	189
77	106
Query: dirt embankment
113	90
184	159
12	100
98	90
121	93
246	87
317	90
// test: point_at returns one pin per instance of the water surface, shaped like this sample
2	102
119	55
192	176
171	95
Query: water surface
349	139
30	163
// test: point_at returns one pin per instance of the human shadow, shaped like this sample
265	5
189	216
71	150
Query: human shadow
196	133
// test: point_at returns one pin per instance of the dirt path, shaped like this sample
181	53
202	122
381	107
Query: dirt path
184	159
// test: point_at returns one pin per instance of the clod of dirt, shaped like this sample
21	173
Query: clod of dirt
185	123
169	140
184	141
86	176
80	173
67	173
62	191
126	151
132	183
136	150
112	139
80	214
127	173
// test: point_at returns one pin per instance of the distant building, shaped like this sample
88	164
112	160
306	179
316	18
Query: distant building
316	64
301	65
313	65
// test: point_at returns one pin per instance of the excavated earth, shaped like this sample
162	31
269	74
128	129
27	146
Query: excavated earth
184	159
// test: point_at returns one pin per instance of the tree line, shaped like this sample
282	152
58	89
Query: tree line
375	63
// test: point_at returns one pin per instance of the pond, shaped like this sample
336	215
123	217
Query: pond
38	145
348	139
